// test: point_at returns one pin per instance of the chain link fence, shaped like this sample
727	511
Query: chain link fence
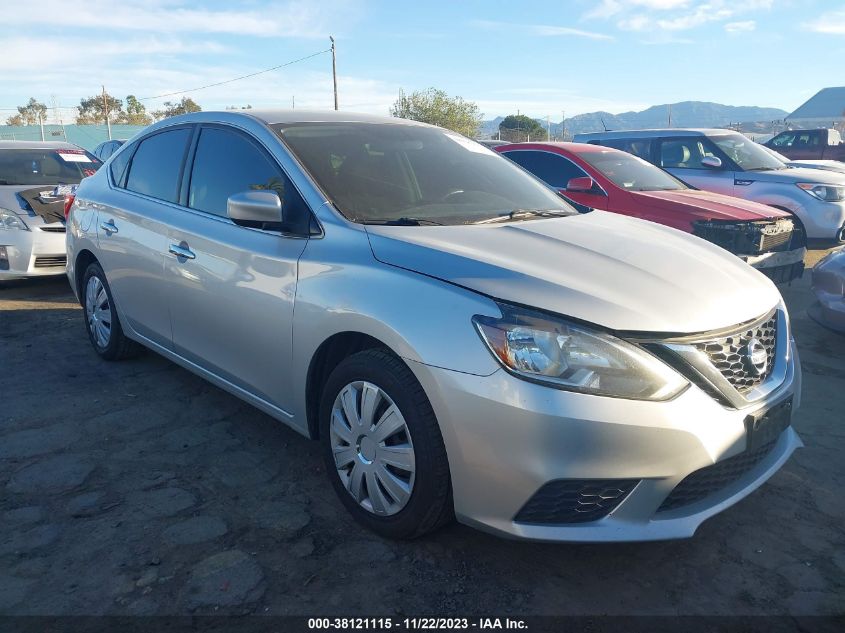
86	136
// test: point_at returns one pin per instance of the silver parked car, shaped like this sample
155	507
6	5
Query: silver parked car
36	179
457	337
728	162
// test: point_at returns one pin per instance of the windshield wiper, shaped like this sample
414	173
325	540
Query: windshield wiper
405	222
520	214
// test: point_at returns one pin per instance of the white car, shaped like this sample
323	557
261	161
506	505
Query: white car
35	179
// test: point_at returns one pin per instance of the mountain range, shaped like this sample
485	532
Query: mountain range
684	114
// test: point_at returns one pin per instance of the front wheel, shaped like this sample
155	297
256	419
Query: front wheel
101	320
382	446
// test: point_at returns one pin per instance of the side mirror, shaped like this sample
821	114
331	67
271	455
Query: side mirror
255	208
713	162
583	184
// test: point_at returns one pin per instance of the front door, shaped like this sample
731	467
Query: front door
682	156
232	288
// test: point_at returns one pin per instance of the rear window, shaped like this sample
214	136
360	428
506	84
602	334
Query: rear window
46	166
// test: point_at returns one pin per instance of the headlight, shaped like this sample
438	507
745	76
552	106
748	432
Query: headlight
9	221
828	193
576	358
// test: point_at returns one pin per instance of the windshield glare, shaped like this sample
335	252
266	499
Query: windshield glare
378	172
46	166
630	172
746	153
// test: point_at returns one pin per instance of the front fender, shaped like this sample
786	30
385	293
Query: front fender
343	288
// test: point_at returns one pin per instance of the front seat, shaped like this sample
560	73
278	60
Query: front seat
674	154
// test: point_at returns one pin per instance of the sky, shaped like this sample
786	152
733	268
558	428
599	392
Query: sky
541	58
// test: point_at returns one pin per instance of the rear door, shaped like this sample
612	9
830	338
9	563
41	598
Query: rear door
682	156
132	229
232	298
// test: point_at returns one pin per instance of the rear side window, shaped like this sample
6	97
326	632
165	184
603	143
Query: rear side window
155	167
227	162
550	168
118	166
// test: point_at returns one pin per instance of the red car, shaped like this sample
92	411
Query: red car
596	177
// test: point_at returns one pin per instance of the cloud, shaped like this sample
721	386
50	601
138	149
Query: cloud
675	15
609	8
294	18
541	30
831	23
740	27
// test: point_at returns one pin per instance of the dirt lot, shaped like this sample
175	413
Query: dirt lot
137	488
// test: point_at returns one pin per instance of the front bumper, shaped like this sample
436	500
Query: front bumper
506	438
33	253
780	267
824	220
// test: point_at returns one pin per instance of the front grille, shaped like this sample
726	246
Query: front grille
50	261
575	500
771	242
728	354
711	479
53	229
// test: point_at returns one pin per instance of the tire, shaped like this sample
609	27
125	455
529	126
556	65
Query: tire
101	320
428	505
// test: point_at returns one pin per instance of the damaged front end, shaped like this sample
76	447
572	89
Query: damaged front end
774	247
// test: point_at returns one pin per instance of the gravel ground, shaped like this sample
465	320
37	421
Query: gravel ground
137	488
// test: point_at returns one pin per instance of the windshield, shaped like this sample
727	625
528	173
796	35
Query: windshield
378	172
46	166
630	172
746	153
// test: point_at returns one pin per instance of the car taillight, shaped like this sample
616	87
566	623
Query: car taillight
68	204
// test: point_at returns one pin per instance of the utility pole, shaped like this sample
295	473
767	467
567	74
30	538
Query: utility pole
41	123
293	102
670	115
106	112
334	72
548	129
563	125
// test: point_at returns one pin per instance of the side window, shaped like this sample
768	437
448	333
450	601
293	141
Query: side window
227	162
118	167
553	169
783	140
682	153
155	167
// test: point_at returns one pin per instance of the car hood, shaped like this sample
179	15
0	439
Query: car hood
9	199
792	175
709	206
618	272
830	165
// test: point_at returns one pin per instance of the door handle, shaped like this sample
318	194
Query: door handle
182	251
108	227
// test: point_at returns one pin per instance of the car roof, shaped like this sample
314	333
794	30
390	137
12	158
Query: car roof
274	117
37	145
575	148
656	133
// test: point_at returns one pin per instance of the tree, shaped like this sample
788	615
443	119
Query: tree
92	111
437	108
136	113
30	114
184	106
518	127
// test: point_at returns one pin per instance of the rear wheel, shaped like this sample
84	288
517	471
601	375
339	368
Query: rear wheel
101	320
382	446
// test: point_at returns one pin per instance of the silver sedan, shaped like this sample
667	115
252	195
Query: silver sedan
460	340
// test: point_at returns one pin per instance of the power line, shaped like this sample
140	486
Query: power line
228	81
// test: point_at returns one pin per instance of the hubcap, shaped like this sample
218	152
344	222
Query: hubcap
98	311
372	448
